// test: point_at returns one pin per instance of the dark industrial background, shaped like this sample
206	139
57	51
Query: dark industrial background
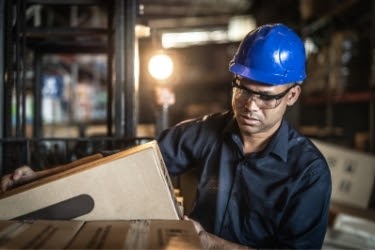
99	50
42	38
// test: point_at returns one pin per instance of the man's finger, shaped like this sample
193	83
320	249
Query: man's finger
198	227
19	173
6	183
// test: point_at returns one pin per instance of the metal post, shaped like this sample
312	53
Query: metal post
131	97
165	97
110	14
18	91
372	84
8	70
23	69
124	89
162	121
119	112
37	126
2	35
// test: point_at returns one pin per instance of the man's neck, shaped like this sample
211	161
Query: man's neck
257	142
253	144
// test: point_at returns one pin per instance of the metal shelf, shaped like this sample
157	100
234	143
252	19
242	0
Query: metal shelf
67	2
346	97
56	32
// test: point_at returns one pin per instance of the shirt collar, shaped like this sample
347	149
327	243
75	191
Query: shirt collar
278	144
231	126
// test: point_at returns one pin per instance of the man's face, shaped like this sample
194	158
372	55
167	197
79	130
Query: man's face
259	108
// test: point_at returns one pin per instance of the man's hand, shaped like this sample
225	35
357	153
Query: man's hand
19	176
198	227
210	241
26	174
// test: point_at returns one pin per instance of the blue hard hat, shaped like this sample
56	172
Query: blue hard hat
271	54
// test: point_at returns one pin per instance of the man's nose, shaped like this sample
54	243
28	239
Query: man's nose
251	103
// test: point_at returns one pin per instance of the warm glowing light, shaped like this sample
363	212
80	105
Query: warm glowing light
160	66
236	30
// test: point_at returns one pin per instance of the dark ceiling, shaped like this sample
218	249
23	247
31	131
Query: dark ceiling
161	14
305	15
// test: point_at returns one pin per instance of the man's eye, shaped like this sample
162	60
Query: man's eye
245	92
266	97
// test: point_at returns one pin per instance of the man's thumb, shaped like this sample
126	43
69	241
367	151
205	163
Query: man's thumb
18	173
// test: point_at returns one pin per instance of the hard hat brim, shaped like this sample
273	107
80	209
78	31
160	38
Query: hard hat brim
264	78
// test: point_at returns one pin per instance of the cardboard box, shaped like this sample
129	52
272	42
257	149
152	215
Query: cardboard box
74	234
138	234
39	234
352	174
130	185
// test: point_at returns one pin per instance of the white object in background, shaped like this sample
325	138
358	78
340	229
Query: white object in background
352	174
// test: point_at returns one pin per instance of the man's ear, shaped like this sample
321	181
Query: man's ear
293	95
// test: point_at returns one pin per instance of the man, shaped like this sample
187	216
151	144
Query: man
261	183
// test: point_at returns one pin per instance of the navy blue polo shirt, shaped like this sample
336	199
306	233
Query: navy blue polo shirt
277	198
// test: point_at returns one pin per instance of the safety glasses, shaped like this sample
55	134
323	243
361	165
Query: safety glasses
263	101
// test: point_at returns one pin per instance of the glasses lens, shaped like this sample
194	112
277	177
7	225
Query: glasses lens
262	102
